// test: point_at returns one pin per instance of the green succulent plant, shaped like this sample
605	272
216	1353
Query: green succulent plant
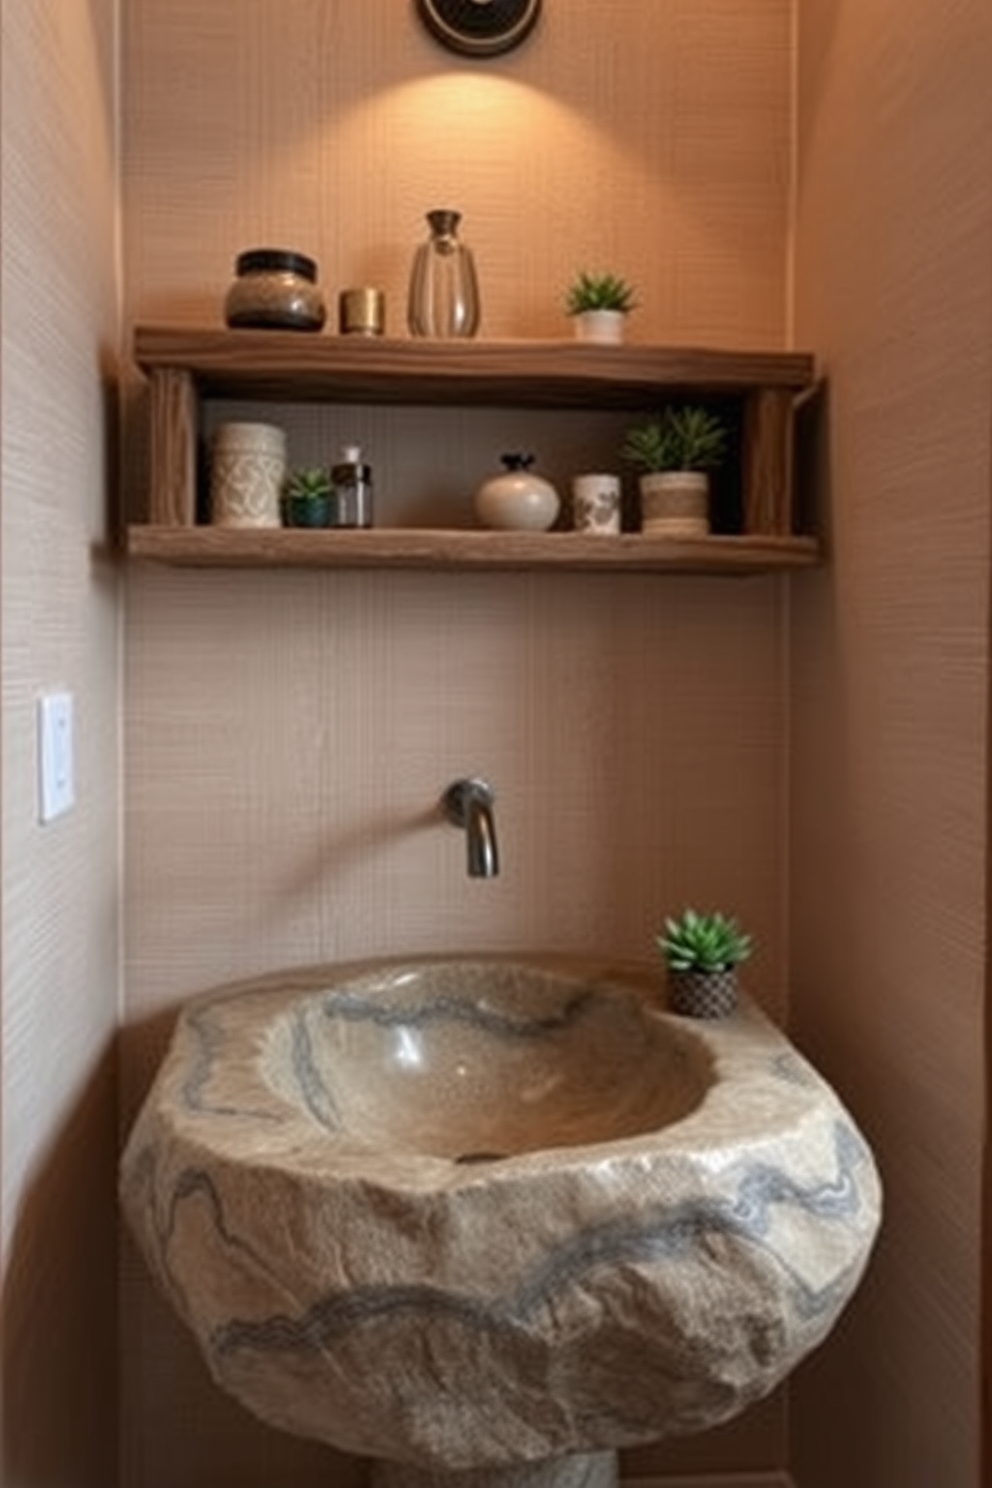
703	942
599	292
311	482
682	438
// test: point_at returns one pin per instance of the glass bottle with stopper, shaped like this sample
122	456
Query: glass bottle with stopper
444	290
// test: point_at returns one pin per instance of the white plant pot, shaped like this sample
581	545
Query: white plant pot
600	325
675	503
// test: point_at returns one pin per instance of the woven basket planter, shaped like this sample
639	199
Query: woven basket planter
675	503
702	994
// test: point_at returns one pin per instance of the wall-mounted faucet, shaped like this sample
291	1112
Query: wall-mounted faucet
468	804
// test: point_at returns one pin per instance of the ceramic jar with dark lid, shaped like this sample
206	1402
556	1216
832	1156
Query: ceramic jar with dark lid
275	289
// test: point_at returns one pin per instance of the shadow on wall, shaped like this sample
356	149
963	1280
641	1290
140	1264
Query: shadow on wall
110	398
812	474
60	1306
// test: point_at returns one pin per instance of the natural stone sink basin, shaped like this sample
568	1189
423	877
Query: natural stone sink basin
483	1213
477	1060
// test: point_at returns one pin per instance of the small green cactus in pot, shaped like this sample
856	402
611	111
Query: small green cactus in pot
599	292
702	953
599	304
308	497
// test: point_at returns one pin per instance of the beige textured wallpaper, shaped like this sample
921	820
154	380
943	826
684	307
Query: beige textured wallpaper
890	700
60	602
288	735
651	136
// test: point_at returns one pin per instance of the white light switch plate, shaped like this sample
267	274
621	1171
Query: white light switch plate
56	788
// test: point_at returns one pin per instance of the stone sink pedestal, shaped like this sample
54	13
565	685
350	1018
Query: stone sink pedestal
489	1220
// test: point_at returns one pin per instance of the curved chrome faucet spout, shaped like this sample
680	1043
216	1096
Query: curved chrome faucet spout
468	803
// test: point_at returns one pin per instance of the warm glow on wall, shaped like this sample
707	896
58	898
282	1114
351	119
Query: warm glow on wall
469	116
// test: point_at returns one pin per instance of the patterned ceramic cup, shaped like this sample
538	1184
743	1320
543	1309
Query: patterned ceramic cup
596	504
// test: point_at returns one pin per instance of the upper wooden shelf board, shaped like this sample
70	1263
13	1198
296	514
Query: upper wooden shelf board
313	367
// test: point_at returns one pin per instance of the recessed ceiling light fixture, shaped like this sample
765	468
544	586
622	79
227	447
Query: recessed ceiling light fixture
479	28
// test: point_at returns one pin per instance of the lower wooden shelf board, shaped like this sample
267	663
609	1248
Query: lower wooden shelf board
424	548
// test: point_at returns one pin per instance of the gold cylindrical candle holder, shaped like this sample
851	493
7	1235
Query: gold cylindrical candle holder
361	312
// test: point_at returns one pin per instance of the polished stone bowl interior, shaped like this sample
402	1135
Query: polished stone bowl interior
481	1061
480	1213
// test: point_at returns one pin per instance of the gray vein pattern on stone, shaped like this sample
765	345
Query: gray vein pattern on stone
671	1214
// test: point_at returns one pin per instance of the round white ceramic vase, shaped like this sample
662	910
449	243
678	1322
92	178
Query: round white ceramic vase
518	500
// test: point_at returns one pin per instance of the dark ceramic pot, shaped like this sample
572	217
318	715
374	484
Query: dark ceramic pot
702	994
308	511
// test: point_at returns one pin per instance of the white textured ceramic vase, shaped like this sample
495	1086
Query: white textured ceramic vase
247	470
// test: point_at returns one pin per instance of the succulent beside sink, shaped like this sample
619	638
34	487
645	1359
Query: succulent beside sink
475	1213
702	953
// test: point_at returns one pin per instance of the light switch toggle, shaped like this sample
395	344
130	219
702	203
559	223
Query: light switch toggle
56	787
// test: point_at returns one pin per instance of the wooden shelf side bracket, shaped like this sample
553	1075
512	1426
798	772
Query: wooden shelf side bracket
173	402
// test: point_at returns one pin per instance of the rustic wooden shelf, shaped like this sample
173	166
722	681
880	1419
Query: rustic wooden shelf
294	366
407	547
184	366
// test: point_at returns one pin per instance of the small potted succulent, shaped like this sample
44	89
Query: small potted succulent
702	953
675	452
308	497
599	305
